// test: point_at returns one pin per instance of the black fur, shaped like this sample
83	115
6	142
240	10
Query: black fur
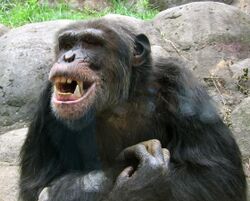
165	103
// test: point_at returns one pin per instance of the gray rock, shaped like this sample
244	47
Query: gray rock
9	183
204	33
25	57
11	143
241	126
248	192
241	73
3	29
243	5
165	4
210	37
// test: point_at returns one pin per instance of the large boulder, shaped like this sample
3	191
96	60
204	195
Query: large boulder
211	37
9	183
11	143
165	4
26	53
204	33
241	126
243	5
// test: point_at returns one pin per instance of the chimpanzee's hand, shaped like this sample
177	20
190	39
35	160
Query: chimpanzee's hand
79	187
146	181
44	195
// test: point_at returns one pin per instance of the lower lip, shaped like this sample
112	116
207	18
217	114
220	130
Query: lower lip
55	100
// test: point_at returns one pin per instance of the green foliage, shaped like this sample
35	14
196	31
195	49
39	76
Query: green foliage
16	12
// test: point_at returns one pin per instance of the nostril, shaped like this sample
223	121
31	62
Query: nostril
69	56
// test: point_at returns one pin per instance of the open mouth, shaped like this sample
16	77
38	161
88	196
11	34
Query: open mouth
67	89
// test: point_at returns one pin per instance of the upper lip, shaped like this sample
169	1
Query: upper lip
78	72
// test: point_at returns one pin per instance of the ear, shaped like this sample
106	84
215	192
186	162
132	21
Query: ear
142	50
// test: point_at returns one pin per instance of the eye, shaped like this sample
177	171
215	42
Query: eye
67	41
65	45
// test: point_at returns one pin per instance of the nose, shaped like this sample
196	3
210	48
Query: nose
69	56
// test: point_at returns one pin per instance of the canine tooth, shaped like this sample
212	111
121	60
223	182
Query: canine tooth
80	84
55	89
77	92
63	80
69	81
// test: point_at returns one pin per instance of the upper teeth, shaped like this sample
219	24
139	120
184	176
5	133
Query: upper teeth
63	80
78	90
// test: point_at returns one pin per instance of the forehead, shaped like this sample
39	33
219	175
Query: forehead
93	31
90	29
91	26
111	34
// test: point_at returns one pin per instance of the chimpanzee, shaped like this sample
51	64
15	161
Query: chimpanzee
114	124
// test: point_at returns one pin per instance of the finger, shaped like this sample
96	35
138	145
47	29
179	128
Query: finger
124	175
44	195
154	148
166	155
127	172
138	152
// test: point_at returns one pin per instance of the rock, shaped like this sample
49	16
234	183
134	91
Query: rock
9	183
203	34
11	143
241	73
26	54
3	29
165	4
232	81
241	126
243	5
248	192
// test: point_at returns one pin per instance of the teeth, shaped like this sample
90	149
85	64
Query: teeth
77	92
80	84
63	80
57	79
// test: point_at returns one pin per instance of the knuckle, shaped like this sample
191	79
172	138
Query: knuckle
156	142
139	147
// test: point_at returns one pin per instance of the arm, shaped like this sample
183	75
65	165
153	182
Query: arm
140	180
